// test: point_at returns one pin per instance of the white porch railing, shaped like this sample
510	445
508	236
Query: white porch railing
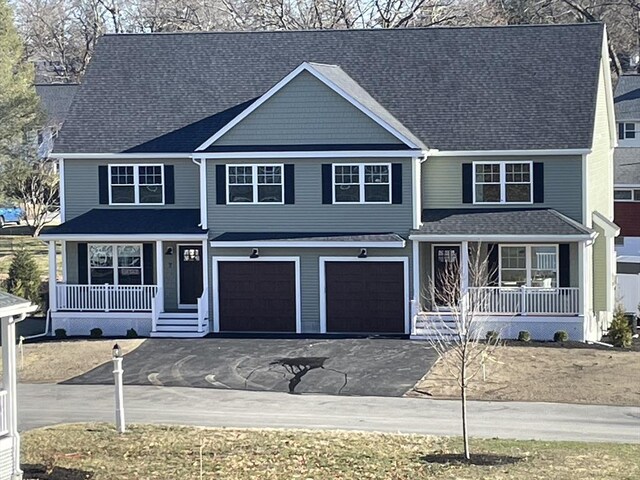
525	300
203	311
105	298
4	421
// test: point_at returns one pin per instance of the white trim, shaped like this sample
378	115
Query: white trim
586	217
120	156
311	154
114	260
506	238
361	182
528	262
254	183
52	276
62	193
504	153
604	67
303	244
627	186
202	173
503	181
610	229
203	252
123	237
102	315
323	291
159	254
415	252
305	66
136	183
64	261
216	284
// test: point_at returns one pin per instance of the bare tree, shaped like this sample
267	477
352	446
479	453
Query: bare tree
34	184
457	331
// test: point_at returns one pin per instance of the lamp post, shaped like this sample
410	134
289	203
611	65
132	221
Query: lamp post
117	376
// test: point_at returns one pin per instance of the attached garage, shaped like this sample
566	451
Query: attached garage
364	296
258	295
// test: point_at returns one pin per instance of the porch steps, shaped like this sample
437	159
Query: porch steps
178	325
427	328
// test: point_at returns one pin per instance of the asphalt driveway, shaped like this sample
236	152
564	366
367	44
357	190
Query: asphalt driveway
380	367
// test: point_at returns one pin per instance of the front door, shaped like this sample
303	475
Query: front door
446	275
189	275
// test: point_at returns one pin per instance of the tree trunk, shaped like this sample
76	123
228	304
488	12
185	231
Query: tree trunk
463	397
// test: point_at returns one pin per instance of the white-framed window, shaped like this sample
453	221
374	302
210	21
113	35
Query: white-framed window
628	130
503	182
252	184
626	194
115	264
136	184
528	266
361	183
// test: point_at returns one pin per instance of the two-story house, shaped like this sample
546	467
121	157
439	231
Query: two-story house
315	181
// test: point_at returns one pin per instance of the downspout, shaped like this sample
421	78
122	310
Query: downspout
46	328
203	181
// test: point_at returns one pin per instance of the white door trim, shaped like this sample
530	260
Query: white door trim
433	272
323	289
216	279
178	258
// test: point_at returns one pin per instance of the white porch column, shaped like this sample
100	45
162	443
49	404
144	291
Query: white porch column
53	300
464	277
415	245
205	278
160	274
582	280
10	385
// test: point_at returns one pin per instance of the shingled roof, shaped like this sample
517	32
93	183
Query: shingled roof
483	88
56	100
626	98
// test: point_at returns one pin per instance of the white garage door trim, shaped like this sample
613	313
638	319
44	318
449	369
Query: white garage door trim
216	279
323	289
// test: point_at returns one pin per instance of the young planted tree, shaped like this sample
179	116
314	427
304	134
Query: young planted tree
24	277
458	331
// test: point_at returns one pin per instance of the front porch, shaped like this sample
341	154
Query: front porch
509	282
154	283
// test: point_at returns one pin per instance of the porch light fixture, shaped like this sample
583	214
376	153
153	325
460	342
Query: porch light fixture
363	253
255	253
169	251
116	353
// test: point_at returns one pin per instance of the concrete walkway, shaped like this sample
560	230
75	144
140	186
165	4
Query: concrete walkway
41	405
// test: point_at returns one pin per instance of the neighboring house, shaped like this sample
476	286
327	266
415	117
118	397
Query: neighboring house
314	182
12	310
55	99
627	190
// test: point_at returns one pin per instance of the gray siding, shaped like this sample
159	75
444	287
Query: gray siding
309	214
81	185
310	273
442	183
306	111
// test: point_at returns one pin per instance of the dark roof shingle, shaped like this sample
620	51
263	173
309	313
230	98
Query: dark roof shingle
484	88
626	97
131	221
8	300
481	221
56	100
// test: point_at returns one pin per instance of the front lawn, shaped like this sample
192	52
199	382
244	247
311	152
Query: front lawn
548	373
73	452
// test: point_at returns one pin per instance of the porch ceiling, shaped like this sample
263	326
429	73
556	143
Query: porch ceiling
131	221
481	222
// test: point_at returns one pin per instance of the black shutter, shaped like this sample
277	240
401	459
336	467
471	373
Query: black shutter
467	183
564	264
327	184
396	183
620	131
538	182
147	263
103	184
493	264
289	185
221	185
83	264
169	185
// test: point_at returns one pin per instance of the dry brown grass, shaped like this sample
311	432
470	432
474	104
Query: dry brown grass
549	374
57	361
154	452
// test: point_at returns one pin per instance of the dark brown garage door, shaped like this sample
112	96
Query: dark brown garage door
257	296
365	297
